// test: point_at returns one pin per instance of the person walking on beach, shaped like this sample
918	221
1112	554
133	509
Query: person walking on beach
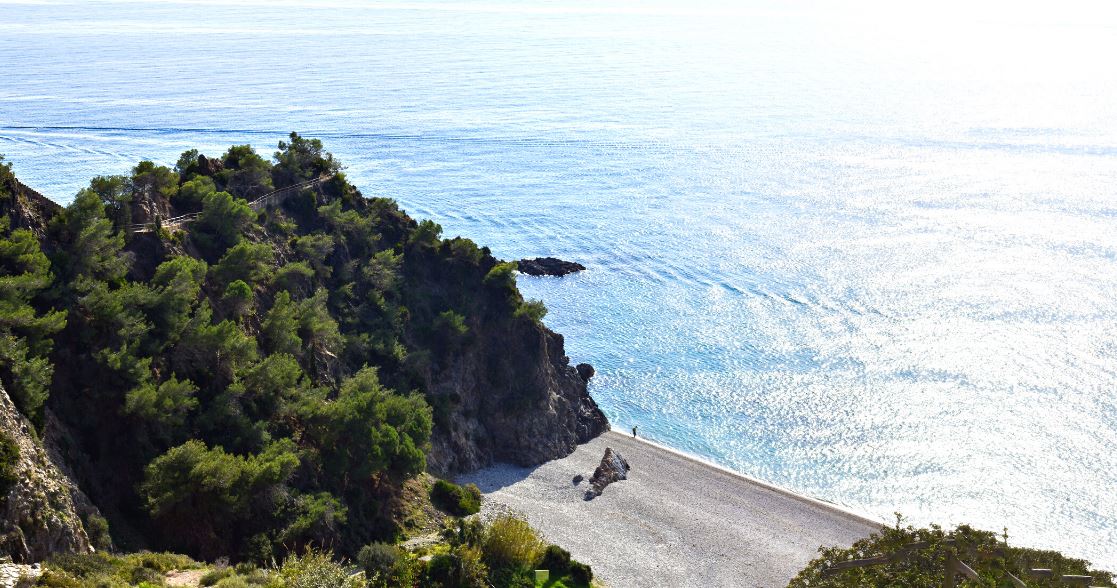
633	431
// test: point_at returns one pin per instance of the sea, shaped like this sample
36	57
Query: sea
864	250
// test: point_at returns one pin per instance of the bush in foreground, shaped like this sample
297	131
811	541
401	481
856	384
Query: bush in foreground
457	500
386	565
102	569
315	569
926	566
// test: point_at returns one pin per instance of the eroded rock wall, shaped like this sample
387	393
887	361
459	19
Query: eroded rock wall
37	515
517	399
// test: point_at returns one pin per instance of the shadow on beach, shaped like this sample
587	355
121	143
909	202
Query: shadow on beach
497	476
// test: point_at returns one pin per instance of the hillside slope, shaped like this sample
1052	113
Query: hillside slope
265	376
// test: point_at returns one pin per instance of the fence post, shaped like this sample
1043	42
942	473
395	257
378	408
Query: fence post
951	571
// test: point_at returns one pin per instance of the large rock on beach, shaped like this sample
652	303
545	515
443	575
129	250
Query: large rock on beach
548	266
613	468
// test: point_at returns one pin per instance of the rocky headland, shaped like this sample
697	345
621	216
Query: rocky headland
317	346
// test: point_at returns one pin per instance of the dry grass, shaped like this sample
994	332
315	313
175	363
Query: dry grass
185	577
413	510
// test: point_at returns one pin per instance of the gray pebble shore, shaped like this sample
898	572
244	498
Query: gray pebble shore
675	521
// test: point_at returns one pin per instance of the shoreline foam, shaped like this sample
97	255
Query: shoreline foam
822	502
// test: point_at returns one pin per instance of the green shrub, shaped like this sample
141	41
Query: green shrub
511	543
378	559
441	570
238	297
260	550
162	562
406	571
555	559
248	569
257	577
534	310
57	579
427	233
164	406
197	493
926	566
221	222
315	569
83	565
466	532
461	568
456	500
513	578
144	575
192	194
318	521
9	458
25	342
234	582
450	327
296	278
103	570
502	276
581	573
98	530
247	262
105	582
215	575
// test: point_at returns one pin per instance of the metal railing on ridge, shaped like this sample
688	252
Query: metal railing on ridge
275	196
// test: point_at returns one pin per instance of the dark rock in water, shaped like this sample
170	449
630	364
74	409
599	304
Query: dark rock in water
548	266
578	479
585	370
613	468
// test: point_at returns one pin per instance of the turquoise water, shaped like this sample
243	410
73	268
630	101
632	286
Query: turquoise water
869	253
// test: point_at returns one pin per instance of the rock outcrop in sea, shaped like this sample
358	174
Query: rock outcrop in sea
548	266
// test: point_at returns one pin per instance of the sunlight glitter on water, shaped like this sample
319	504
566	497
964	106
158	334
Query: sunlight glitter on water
865	252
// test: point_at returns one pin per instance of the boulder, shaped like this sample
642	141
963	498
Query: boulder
613	468
548	266
585	370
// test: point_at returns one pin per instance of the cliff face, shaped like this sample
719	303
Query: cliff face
26	208
37	515
502	386
518	400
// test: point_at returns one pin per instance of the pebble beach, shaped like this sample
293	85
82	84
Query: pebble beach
676	520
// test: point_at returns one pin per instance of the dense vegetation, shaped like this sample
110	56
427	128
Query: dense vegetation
456	500
989	555
504	553
250	383
9	455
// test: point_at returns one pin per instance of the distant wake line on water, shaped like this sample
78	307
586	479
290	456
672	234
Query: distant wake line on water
318	134
687	143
